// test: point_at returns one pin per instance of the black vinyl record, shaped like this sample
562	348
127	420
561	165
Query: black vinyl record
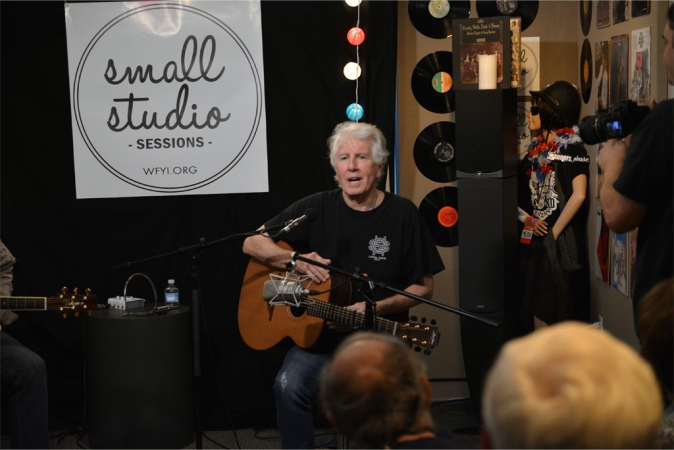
586	15
527	9
434	18
435	154
439	210
432	82
586	71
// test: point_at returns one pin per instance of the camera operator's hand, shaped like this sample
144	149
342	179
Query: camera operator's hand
612	155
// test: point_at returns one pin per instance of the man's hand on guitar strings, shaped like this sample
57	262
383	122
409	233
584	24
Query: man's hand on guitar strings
318	274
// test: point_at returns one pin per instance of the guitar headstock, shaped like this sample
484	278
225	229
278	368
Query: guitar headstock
419	335
72	302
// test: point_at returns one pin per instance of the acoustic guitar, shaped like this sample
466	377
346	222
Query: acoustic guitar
63	303
262	325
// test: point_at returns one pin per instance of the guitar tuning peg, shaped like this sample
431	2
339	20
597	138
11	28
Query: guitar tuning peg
77	313
88	291
89	313
413	318
75	291
427	352
65	315
423	320
433	322
64	290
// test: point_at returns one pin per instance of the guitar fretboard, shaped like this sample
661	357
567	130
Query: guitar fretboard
348	316
24	303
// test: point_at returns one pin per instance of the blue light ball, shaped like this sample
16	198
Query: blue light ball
354	112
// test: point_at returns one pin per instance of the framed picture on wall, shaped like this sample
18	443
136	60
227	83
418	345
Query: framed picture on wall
621	12
602	255
641	8
603	13
601	72
619	66
640	57
620	265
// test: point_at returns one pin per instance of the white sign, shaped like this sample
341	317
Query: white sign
167	98
523	131
530	60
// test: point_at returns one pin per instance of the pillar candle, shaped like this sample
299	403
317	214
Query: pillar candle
487	71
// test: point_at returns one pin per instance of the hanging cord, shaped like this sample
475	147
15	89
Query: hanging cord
358	63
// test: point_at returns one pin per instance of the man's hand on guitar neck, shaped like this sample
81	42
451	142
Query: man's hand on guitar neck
342	327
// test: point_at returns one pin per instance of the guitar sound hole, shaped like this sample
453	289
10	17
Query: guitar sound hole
297	311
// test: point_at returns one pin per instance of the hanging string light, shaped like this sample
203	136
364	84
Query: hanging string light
352	71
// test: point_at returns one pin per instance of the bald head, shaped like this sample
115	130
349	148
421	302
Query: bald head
375	389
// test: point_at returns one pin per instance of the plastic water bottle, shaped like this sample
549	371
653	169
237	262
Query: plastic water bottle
171	294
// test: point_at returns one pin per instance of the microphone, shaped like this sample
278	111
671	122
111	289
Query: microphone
288	290
309	215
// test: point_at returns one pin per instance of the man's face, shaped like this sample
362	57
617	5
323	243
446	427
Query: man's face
668	36
357	172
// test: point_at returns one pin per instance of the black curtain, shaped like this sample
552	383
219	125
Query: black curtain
61	241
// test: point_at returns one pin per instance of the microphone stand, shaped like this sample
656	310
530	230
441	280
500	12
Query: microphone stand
197	252
366	291
363	278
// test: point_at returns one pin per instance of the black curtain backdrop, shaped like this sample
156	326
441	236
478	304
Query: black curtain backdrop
61	241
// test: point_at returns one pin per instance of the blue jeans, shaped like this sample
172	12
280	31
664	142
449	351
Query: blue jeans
24	387
296	388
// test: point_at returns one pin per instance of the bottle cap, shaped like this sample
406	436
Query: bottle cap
172	281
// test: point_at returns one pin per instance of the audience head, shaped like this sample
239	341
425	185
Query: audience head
375	389
570	386
358	130
655	320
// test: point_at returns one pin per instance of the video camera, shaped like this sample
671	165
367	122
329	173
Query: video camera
620	121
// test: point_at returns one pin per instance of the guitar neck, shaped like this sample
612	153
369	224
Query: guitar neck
24	303
348	316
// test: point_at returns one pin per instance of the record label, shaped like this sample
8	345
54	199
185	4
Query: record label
440	212
438	8
434	18
442	82
432	82
527	10
434	152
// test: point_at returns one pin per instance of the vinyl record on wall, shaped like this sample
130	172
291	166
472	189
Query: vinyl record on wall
527	10
439	210
586	71
432	82
434	18
435	154
585	15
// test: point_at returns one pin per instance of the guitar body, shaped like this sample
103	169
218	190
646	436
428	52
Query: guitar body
263	326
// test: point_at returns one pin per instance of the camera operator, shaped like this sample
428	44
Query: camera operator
638	184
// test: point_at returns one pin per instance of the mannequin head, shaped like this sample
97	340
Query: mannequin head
558	106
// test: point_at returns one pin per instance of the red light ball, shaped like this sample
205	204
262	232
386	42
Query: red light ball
356	36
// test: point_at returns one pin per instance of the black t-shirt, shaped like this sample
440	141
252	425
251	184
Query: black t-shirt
646	178
391	244
543	201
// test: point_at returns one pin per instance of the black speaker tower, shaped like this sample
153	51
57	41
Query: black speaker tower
486	140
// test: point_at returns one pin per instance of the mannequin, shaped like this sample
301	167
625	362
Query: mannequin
552	189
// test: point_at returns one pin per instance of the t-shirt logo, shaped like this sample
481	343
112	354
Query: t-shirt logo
544	197
378	246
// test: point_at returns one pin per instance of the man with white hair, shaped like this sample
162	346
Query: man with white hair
570	386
